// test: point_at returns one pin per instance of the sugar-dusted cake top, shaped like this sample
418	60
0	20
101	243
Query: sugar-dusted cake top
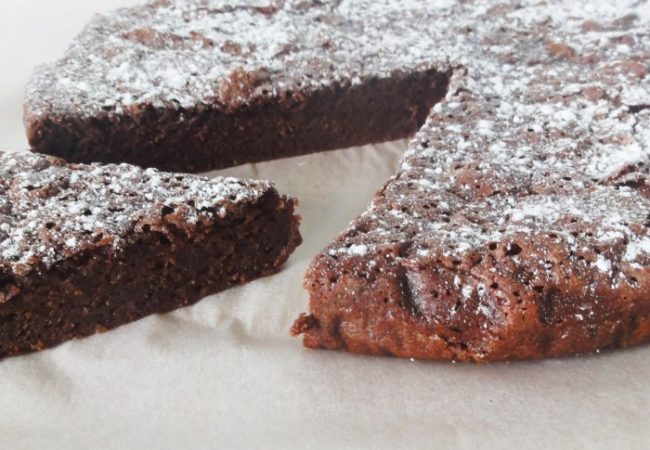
536	163
541	143
190	52
50	210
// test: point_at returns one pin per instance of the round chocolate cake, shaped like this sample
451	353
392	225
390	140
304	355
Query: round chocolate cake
517	224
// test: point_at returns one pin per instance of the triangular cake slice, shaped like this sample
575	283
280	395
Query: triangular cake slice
518	224
85	248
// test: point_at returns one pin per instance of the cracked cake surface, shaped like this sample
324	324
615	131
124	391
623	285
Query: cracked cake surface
53	210
517	223
85	248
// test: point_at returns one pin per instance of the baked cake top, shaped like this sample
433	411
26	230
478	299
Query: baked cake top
50	210
224	53
538	154
534	169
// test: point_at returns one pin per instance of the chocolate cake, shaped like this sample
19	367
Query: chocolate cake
517	224
85	248
197	85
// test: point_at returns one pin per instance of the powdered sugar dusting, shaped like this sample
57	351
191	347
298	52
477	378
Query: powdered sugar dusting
50	210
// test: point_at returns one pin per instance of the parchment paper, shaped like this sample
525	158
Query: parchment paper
225	373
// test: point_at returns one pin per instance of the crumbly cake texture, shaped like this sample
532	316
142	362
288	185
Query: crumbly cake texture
517	225
85	248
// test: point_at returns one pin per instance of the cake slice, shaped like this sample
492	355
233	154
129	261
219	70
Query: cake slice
85	248
518	225
194	85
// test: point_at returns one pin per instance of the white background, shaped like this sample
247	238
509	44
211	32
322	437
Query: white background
225	373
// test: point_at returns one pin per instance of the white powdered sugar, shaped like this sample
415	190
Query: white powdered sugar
50	210
181	54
